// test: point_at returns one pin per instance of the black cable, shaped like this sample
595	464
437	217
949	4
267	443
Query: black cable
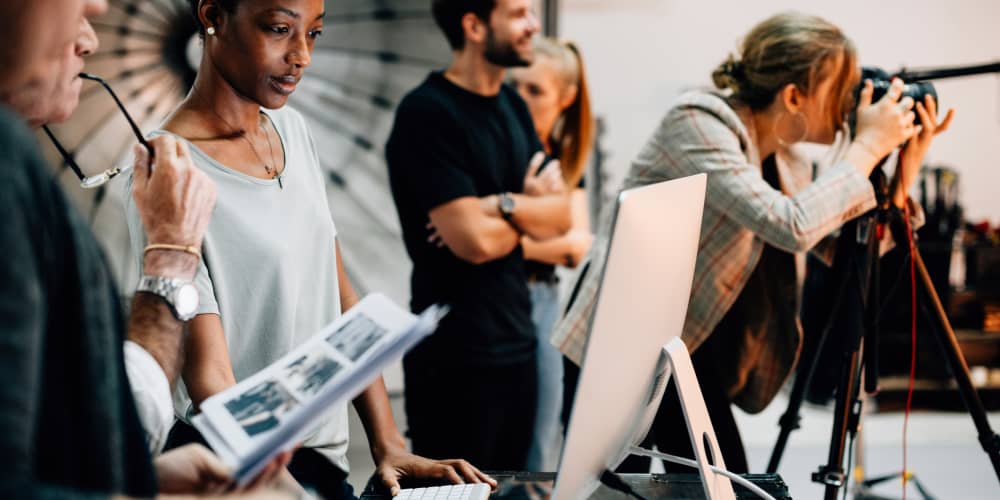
613	481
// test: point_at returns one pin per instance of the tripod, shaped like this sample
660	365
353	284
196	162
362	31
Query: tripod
855	315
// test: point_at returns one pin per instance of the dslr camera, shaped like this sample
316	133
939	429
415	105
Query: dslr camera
880	84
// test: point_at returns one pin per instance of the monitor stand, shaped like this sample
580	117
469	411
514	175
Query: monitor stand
699	425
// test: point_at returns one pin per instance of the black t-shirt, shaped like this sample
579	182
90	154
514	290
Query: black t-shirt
448	143
68	424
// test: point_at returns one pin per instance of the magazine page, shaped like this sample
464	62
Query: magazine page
279	406
299	425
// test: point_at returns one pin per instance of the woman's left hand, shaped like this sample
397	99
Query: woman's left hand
916	148
399	464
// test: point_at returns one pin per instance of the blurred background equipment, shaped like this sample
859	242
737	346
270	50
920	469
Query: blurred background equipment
963	260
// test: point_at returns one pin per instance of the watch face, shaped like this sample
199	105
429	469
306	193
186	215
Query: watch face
506	204
186	300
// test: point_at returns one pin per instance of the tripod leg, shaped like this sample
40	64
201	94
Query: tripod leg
845	272
959	368
858	472
790	420
850	321
832	474
872	321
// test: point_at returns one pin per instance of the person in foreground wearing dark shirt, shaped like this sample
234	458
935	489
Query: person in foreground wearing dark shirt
68	422
463	157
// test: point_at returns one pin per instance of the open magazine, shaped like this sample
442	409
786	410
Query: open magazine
250	423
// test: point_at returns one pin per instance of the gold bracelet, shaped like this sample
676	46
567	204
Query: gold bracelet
178	248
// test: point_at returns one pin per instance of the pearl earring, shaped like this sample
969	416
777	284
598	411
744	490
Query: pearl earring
210	31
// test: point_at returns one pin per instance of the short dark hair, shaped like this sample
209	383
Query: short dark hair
226	5
448	15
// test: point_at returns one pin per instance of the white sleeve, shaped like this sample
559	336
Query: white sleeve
151	392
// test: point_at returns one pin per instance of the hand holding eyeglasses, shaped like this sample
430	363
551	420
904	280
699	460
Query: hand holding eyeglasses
175	201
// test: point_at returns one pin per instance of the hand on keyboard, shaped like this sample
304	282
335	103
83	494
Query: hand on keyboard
399	463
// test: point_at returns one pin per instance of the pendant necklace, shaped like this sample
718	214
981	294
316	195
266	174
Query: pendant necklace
270	149
272	172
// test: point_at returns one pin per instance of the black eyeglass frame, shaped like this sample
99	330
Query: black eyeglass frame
102	178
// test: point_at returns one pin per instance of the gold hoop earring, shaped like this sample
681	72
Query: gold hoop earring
210	31
805	128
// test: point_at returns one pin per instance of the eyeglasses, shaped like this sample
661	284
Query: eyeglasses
105	176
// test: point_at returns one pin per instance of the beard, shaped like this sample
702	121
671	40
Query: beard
502	53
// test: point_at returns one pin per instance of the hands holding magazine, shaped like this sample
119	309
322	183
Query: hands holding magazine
250	424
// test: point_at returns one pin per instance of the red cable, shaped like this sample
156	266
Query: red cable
913	327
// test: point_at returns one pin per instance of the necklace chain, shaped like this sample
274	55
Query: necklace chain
270	150
243	134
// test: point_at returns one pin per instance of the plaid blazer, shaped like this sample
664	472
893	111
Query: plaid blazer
702	133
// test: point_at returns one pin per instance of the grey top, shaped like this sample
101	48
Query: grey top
269	268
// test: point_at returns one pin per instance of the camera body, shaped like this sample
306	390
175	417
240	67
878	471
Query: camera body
881	80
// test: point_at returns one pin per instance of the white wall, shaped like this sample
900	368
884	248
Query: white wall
642	53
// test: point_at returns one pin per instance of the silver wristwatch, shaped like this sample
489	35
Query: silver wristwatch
181	296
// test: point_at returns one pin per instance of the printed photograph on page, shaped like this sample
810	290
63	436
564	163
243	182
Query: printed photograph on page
260	408
308	373
354	338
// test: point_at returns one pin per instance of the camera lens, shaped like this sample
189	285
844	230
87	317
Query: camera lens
915	90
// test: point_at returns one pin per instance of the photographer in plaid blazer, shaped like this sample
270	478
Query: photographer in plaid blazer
792	82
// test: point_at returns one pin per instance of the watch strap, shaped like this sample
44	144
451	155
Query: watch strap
163	287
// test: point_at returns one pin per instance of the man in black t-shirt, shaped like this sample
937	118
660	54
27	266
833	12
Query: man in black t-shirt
463	158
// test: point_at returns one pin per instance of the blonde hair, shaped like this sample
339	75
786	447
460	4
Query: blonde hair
796	48
574	131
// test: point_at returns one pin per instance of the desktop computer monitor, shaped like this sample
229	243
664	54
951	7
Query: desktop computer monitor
641	305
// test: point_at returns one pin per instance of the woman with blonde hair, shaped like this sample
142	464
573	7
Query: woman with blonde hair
555	89
793	81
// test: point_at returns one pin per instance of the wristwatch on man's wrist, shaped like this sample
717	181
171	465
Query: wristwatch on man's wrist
180	295
505	203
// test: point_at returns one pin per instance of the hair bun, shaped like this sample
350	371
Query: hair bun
733	69
729	74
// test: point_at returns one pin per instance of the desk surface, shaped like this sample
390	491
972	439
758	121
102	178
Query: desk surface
538	486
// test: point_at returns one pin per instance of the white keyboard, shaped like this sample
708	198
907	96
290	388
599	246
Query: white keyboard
478	491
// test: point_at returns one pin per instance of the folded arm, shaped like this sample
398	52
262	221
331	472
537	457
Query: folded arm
470	233
570	248
538	217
